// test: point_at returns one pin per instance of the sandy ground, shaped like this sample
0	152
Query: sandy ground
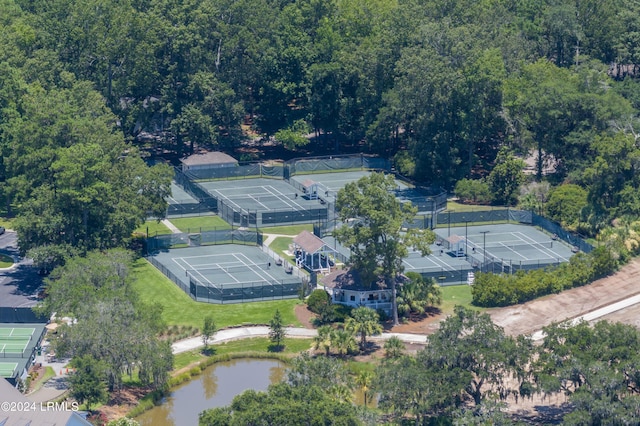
532	316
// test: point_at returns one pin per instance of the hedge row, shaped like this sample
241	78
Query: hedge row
490	290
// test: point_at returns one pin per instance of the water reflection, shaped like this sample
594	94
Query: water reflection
215	387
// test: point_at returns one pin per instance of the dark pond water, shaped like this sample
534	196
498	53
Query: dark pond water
215	387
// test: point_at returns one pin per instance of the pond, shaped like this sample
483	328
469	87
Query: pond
215	387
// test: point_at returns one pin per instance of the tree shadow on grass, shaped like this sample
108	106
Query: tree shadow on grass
275	348
208	351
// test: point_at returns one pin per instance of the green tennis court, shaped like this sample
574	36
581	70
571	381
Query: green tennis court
7	369
17	333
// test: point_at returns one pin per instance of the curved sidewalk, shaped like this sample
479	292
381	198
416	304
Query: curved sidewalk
262	331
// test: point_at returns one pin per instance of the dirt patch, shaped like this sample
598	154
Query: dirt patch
532	316
305	316
418	324
121	402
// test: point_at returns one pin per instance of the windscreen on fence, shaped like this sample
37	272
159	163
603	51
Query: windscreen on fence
183	239
562	234
335	163
244	292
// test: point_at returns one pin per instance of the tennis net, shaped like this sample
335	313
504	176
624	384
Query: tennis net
512	246
25	337
227	269
267	197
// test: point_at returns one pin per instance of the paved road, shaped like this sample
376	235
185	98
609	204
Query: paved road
18	284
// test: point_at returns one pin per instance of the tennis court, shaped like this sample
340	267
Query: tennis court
228	273
259	194
15	340
8	369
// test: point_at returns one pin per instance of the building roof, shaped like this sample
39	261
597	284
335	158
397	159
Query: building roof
349	279
215	157
455	239
308	242
308	183
37	414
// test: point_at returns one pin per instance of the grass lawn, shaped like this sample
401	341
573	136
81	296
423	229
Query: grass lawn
6	222
453	295
458	207
288	230
255	345
195	223
179	309
155	228
279	245
5	261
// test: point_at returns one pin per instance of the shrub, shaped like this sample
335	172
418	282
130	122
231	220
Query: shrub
490	290
318	300
473	191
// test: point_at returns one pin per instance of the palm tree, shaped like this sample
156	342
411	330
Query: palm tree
364	379
393	348
365	322
323	339
343	342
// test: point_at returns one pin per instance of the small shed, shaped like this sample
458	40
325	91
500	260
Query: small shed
346	288
457	245
312	253
208	160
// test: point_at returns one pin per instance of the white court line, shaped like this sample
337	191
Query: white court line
258	272
271	190
542	249
258	201
437	263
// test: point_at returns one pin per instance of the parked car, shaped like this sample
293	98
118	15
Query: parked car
2	230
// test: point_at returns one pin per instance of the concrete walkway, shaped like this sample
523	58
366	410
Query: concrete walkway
598	313
270	237
263	331
171	226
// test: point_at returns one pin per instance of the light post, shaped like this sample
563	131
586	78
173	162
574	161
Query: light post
466	241
484	245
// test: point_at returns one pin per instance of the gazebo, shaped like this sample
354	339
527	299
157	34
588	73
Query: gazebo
457	245
312	253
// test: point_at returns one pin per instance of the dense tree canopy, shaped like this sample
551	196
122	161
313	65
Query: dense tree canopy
439	86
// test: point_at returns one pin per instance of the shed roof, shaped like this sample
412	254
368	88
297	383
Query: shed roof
215	157
308	242
308	183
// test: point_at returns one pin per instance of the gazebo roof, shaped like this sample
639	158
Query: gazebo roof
455	239
308	183
215	157
308	242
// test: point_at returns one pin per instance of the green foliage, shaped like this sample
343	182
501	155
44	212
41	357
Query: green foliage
208	329
294	136
364	322
393	347
318	300
474	191
282	404
113	325
565	205
277	331
88	384
502	290
418	294
373	230
505	178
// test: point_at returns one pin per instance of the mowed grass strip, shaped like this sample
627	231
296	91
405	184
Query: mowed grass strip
453	295
253	345
195	224
179	309
154	227
288	230
5	261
